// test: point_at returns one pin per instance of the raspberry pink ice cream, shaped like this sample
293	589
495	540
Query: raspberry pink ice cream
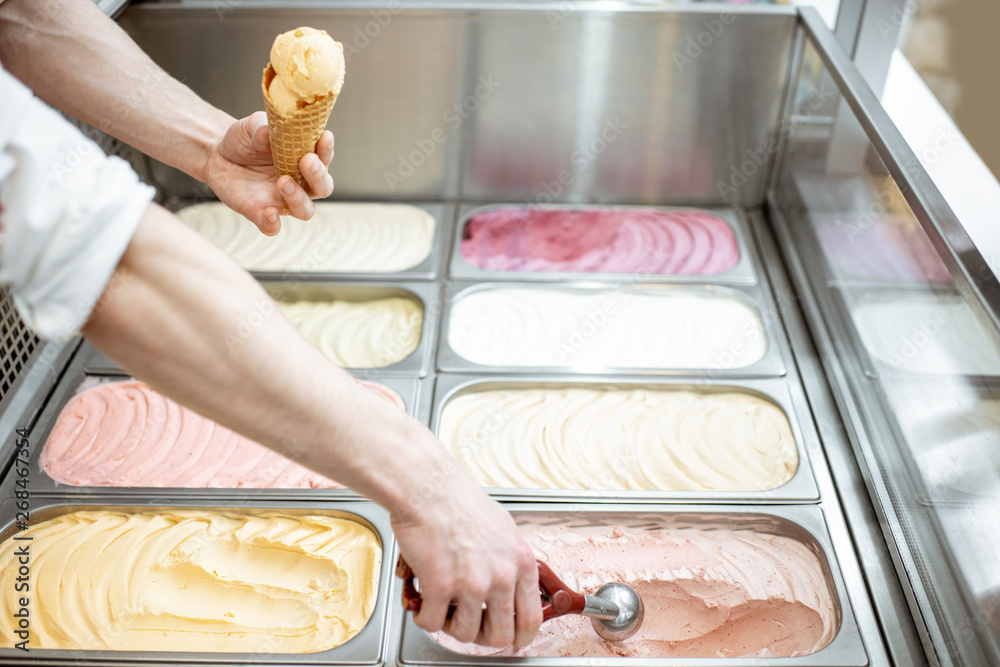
600	240
125	434
710	593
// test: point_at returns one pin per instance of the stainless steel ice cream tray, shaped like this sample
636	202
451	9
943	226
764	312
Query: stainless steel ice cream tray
806	525
427	269
756	298
418	362
742	273
415	364
411	390
368	647
801	487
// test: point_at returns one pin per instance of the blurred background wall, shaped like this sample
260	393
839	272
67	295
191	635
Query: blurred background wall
955	46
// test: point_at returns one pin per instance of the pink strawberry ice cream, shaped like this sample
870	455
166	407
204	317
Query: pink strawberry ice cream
600	240
707	593
125	434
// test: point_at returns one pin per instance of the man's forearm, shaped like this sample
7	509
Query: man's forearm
176	315
81	62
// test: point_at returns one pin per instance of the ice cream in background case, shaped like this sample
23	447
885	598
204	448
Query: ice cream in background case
200	580
600	240
952	431
891	247
924	333
708	592
126	435
348	238
605	328
620	439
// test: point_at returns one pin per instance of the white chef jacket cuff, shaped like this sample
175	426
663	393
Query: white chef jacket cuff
69	212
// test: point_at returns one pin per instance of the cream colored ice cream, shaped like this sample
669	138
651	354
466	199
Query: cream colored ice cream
925	333
712	593
193	580
125	434
360	334
350	238
628	328
308	65
582	438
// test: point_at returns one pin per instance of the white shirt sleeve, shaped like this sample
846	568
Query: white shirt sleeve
67	213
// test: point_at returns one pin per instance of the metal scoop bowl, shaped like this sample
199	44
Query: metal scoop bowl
615	610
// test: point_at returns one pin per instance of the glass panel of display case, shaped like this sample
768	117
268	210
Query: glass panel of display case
919	352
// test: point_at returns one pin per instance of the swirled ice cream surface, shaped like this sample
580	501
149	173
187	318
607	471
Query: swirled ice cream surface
629	328
600	240
126	434
194	580
349	238
628	439
359	334
707	593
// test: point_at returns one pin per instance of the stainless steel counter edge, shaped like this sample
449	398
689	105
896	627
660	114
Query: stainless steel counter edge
25	402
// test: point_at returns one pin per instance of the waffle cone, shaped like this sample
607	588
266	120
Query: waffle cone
295	134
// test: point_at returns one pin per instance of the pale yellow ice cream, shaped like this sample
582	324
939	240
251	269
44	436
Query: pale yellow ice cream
627	439
359	334
193	580
377	238
308	65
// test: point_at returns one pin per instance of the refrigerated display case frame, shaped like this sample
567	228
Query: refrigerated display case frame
896	614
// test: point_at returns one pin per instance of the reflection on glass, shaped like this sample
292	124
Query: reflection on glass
952	433
920	363
922	332
888	247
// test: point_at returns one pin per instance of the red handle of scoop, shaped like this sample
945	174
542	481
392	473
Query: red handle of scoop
558	599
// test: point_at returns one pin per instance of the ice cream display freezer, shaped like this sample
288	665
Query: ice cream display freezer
664	277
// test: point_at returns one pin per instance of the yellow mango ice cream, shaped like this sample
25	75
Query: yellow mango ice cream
308	65
193	580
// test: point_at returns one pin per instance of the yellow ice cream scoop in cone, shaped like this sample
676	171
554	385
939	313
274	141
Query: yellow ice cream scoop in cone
300	86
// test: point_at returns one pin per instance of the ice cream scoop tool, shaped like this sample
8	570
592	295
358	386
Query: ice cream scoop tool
615	610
